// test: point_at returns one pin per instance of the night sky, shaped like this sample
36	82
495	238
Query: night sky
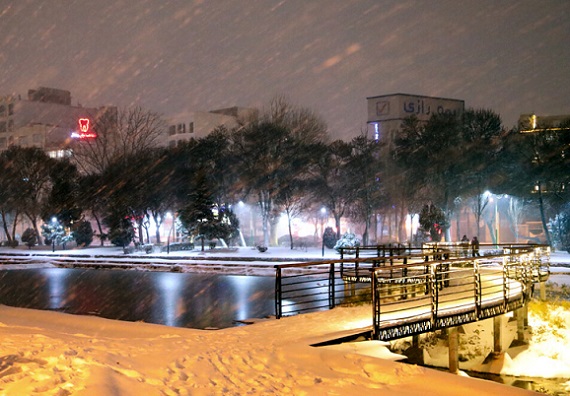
328	55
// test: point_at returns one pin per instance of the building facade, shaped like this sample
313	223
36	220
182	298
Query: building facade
387	112
534	123
198	124
46	119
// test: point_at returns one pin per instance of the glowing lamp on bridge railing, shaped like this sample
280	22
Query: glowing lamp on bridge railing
84	132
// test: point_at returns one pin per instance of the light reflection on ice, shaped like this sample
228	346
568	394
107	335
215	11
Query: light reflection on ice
242	289
57	289
169	289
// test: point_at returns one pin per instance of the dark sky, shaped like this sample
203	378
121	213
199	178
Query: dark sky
512	56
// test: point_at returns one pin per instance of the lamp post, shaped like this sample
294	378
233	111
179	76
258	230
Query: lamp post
53	233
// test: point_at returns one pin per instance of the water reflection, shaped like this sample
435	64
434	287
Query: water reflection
169	286
56	281
174	299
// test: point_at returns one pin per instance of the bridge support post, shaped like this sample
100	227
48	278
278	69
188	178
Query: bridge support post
497	342
520	315
453	341
542	286
416	341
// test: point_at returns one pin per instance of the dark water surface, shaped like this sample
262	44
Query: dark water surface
174	299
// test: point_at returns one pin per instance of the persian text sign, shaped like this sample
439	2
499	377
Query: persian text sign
401	106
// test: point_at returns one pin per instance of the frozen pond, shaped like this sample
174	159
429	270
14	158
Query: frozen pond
560	278
175	299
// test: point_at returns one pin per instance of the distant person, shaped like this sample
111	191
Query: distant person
475	246
464	245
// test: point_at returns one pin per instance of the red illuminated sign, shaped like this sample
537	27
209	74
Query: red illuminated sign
84	124
84	132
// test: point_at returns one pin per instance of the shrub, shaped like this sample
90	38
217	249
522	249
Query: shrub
83	233
329	238
30	237
122	233
560	229
348	240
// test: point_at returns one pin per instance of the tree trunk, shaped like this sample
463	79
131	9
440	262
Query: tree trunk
543	216
366	230
5	225
34	222
402	224
158	223
99	227
14	225
36	228
264	204
337	225
140	229
290	230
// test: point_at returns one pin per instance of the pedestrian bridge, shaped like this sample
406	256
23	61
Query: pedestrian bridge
413	291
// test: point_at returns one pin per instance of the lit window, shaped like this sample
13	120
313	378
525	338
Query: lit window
59	153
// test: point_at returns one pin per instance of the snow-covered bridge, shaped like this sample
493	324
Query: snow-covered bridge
418	291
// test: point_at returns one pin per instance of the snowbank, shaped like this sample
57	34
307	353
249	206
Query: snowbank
60	354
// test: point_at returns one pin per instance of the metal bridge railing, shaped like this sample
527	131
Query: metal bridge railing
313	286
417	292
456	291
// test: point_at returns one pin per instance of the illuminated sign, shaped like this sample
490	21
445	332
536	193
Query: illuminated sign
84	132
84	124
397	107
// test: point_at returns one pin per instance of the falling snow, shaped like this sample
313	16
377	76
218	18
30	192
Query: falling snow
174	57
65	354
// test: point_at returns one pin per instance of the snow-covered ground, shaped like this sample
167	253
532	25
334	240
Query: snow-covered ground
58	354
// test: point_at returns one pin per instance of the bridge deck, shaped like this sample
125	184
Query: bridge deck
416	293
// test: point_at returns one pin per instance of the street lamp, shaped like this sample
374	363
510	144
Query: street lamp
53	232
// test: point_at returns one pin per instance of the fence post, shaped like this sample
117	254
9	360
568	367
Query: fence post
375	306
506	285
477	287
432	292
331	287
278	296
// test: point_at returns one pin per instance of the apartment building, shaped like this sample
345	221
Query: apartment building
46	119
198	124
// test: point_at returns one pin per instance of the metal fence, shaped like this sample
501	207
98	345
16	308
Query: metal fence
424	290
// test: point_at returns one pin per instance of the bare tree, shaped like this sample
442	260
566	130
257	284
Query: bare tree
302	123
120	134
